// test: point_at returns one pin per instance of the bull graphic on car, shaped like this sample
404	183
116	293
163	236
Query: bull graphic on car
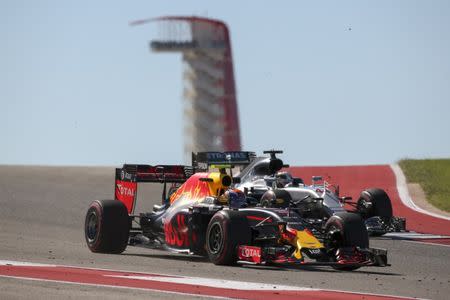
203	212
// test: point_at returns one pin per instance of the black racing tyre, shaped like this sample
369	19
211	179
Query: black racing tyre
345	229
107	226
227	230
380	204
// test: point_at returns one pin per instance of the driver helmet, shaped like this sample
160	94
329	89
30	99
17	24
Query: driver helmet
283	179
234	198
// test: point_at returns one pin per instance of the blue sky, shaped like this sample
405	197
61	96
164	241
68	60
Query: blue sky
329	82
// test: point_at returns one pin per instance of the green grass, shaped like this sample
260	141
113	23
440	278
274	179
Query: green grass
434	177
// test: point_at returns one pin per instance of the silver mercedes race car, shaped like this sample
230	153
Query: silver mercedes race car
265	186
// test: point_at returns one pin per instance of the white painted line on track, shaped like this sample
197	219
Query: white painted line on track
197	281
121	287
403	193
219	283
415	235
24	264
427	243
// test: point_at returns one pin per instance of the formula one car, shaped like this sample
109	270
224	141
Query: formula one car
202	215
263	181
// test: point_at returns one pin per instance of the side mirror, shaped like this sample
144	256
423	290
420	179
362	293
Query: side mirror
236	179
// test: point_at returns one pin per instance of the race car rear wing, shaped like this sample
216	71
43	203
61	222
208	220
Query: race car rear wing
159	173
128	177
201	161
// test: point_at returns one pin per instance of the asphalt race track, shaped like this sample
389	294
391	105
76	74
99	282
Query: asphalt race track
42	212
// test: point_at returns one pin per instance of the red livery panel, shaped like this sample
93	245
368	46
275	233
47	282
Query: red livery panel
176	231
126	192
250	253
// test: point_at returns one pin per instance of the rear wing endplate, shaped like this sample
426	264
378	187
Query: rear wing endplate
128	177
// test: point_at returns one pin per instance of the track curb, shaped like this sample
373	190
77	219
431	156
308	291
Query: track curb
404	195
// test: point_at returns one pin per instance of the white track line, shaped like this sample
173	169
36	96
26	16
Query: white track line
220	283
414	235
403	192
122	287
23	264
424	242
198	279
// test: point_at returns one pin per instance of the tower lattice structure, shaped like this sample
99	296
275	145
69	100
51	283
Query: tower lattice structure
211	121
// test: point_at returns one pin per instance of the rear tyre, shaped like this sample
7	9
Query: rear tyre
107	226
375	202
227	230
344	230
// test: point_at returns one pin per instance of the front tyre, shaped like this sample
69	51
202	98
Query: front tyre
107	226
226	230
345	230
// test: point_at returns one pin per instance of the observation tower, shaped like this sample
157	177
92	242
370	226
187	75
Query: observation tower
211	121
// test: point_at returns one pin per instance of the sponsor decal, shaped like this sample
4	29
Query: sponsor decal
250	253
125	176
227	156
126	192
202	165
314	251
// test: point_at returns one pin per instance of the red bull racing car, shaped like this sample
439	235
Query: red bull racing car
201	214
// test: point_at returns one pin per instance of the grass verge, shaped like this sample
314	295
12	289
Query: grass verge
434	177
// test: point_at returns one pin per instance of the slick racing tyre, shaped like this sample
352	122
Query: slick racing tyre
226	230
107	226
374	202
345	230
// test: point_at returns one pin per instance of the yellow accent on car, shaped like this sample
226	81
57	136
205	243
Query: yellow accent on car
217	186
305	239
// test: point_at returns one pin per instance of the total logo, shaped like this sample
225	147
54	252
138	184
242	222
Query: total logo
250	252
126	191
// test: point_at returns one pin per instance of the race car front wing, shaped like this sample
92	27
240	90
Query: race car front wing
350	256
